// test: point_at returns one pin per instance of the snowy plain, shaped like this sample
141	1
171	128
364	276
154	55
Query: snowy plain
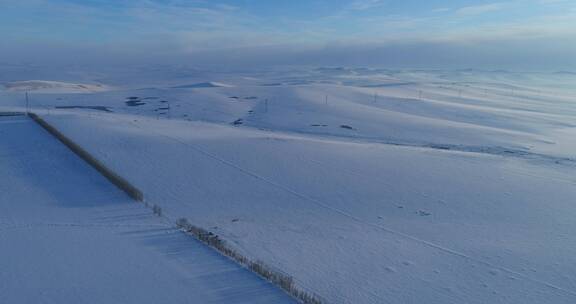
367	186
68	236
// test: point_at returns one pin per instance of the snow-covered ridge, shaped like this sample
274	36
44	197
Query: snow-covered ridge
43	86
209	84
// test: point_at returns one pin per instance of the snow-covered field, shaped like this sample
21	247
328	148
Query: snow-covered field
68	236
368	186
51	87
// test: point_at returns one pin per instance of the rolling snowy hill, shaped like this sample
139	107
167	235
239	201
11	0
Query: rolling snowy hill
366	185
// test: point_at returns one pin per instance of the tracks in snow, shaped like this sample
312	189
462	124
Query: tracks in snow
352	217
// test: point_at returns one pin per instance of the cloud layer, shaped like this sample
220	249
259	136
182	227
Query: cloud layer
521	34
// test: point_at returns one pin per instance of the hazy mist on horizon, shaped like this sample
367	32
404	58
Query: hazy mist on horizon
515	34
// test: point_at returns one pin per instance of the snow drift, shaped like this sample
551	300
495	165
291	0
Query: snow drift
200	85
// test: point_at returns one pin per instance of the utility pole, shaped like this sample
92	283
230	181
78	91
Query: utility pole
326	100
27	104
375	97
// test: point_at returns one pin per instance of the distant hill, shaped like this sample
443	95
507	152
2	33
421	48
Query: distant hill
52	87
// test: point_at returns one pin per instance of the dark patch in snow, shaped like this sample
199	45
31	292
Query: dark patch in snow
134	101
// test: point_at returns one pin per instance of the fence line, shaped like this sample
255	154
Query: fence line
112	176
271	274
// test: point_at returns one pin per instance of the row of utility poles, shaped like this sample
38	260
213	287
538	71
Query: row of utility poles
266	103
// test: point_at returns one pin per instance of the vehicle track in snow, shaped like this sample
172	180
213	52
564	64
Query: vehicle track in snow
352	217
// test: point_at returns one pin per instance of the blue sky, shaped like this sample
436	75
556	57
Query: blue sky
503	33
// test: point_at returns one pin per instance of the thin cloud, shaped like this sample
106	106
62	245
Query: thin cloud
180	30
366	4
481	9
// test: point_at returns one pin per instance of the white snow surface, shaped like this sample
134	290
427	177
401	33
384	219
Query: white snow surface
43	86
367	186
68	236
209	84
